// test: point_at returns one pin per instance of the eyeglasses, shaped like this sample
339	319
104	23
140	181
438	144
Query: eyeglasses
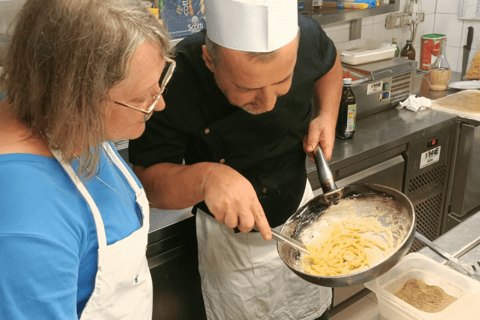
164	79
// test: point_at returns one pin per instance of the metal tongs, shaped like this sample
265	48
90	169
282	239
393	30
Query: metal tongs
292	242
472	273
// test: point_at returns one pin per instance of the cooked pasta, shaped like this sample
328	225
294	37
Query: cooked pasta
351	245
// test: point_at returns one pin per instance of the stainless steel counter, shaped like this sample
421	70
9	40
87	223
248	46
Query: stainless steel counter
462	242
375	134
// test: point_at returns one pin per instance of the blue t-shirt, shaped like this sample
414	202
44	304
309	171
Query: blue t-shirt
48	238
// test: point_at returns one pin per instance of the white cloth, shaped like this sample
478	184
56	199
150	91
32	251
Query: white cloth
252	25
243	276
123	284
415	104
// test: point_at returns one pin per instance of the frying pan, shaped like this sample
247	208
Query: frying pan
392	209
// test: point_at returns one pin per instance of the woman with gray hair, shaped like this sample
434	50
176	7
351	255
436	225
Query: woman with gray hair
73	218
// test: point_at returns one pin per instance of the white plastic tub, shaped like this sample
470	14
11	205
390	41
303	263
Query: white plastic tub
417	266
365	50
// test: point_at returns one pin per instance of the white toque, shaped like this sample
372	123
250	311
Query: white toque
252	25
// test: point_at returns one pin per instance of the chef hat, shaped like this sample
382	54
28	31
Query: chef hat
252	25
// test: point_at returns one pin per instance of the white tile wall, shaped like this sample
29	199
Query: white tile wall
451	26
425	27
440	17
339	36
382	34
447	6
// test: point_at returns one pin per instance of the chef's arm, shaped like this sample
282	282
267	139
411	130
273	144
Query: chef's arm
229	196
326	99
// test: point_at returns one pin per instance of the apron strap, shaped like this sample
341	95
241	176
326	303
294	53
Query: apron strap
102	238
139	192
113	156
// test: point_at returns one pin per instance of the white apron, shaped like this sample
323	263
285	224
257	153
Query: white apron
244	278
123	284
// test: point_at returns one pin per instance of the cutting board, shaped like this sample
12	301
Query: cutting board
464	104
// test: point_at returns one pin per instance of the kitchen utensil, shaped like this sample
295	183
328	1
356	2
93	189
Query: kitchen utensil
470	272
291	242
397	213
463	103
465	85
466	51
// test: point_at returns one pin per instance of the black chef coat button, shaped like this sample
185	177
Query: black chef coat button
264	190
222	161
207	131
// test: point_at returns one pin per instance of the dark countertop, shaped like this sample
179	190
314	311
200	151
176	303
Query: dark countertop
374	134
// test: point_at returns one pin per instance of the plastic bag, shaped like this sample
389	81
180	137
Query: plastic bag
473	72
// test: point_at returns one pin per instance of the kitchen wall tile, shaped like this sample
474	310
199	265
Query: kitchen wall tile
380	19
337	26
367	21
429	6
423	28
451	26
382	34
402	5
339	36
447	6
476	33
402	34
453	58
367	32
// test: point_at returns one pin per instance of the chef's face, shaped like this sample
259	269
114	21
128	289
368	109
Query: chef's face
254	84
138	90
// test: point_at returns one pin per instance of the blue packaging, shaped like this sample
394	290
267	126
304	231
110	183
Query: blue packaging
371	3
183	17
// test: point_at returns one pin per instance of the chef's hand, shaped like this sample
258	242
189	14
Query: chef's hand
321	130
230	197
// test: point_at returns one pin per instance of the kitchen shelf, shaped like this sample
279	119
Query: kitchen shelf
332	15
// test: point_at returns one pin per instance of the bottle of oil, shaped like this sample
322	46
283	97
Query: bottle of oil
408	52
347	113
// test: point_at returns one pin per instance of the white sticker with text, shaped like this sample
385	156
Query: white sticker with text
430	157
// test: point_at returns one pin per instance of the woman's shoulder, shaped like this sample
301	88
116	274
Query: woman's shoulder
37	199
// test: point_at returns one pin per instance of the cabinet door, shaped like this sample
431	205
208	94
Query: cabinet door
177	291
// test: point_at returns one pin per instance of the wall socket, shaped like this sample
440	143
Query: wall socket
402	19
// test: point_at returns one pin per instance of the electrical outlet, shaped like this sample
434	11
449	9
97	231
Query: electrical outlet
407	19
398	20
421	16
390	21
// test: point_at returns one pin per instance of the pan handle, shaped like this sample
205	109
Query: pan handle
323	170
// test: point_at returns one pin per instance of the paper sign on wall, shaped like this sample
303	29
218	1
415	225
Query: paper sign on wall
469	9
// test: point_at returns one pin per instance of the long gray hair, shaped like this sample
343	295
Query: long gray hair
64	57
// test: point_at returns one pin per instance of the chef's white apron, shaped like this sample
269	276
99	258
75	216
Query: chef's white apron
244	278
123	284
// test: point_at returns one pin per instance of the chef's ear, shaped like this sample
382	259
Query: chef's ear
207	58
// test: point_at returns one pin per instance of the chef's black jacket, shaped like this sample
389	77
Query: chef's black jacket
200	125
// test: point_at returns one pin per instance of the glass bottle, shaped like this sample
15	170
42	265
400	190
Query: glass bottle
347	113
408	52
397	51
440	72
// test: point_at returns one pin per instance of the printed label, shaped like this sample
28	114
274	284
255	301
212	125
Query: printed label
430	157
374	87
352	112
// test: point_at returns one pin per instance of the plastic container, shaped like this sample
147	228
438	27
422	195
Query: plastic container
417	266
365	50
